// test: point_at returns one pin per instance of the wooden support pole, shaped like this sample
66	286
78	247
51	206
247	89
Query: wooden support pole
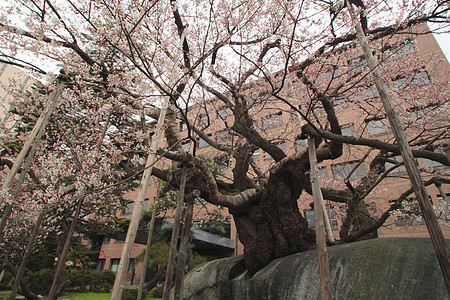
33	138
175	233
25	257
429	216
117	290
324	268
184	245
28	151
149	241
53	294
326	219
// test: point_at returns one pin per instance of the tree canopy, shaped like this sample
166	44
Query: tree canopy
244	65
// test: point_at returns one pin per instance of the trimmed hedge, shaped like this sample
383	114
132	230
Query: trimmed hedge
130	292
90	280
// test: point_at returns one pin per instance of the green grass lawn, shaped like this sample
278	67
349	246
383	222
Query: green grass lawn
79	296
87	296
92	296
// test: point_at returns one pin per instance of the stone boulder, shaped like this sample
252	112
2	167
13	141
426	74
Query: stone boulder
374	269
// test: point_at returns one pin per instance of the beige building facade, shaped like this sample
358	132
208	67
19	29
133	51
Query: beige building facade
11	79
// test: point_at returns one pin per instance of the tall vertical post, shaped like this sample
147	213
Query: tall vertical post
54	289
149	241
33	138
429	216
117	290
26	256
27	152
175	232
324	267
184	245
326	218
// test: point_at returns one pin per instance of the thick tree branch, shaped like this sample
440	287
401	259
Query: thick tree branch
215	197
395	149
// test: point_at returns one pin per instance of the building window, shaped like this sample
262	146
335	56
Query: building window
267	97
340	103
114	264
357	64
309	216
100	264
106	241
183	126
129	209
255	155
205	119
267	156
406	48
282	146
369	93
333	219
225	112
300	145
341	171
295	116
272	121
202	143
418	79
431	164
200	201
323	173
348	129
223	161
145	205
223	136
186	146
378	127
325	77
400	169
441	199
132	266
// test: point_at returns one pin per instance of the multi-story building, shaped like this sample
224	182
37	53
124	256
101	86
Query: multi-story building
11	79
415	67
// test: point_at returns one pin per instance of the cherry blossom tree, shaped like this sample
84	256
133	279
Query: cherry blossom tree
245	66
61	186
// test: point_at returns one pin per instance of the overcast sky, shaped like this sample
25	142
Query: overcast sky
443	40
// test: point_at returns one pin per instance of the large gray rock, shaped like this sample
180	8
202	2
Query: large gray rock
374	269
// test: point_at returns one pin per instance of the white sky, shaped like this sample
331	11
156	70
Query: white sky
443	40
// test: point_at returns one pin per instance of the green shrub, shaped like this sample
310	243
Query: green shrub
131	292
92	280
78	280
102	281
157	291
40	281
7	277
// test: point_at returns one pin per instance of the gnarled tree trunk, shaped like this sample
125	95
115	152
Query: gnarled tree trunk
272	226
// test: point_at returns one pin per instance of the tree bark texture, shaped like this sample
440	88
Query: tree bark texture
272	226
149	241
174	239
184	247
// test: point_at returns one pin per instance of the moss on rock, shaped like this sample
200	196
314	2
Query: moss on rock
372	269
